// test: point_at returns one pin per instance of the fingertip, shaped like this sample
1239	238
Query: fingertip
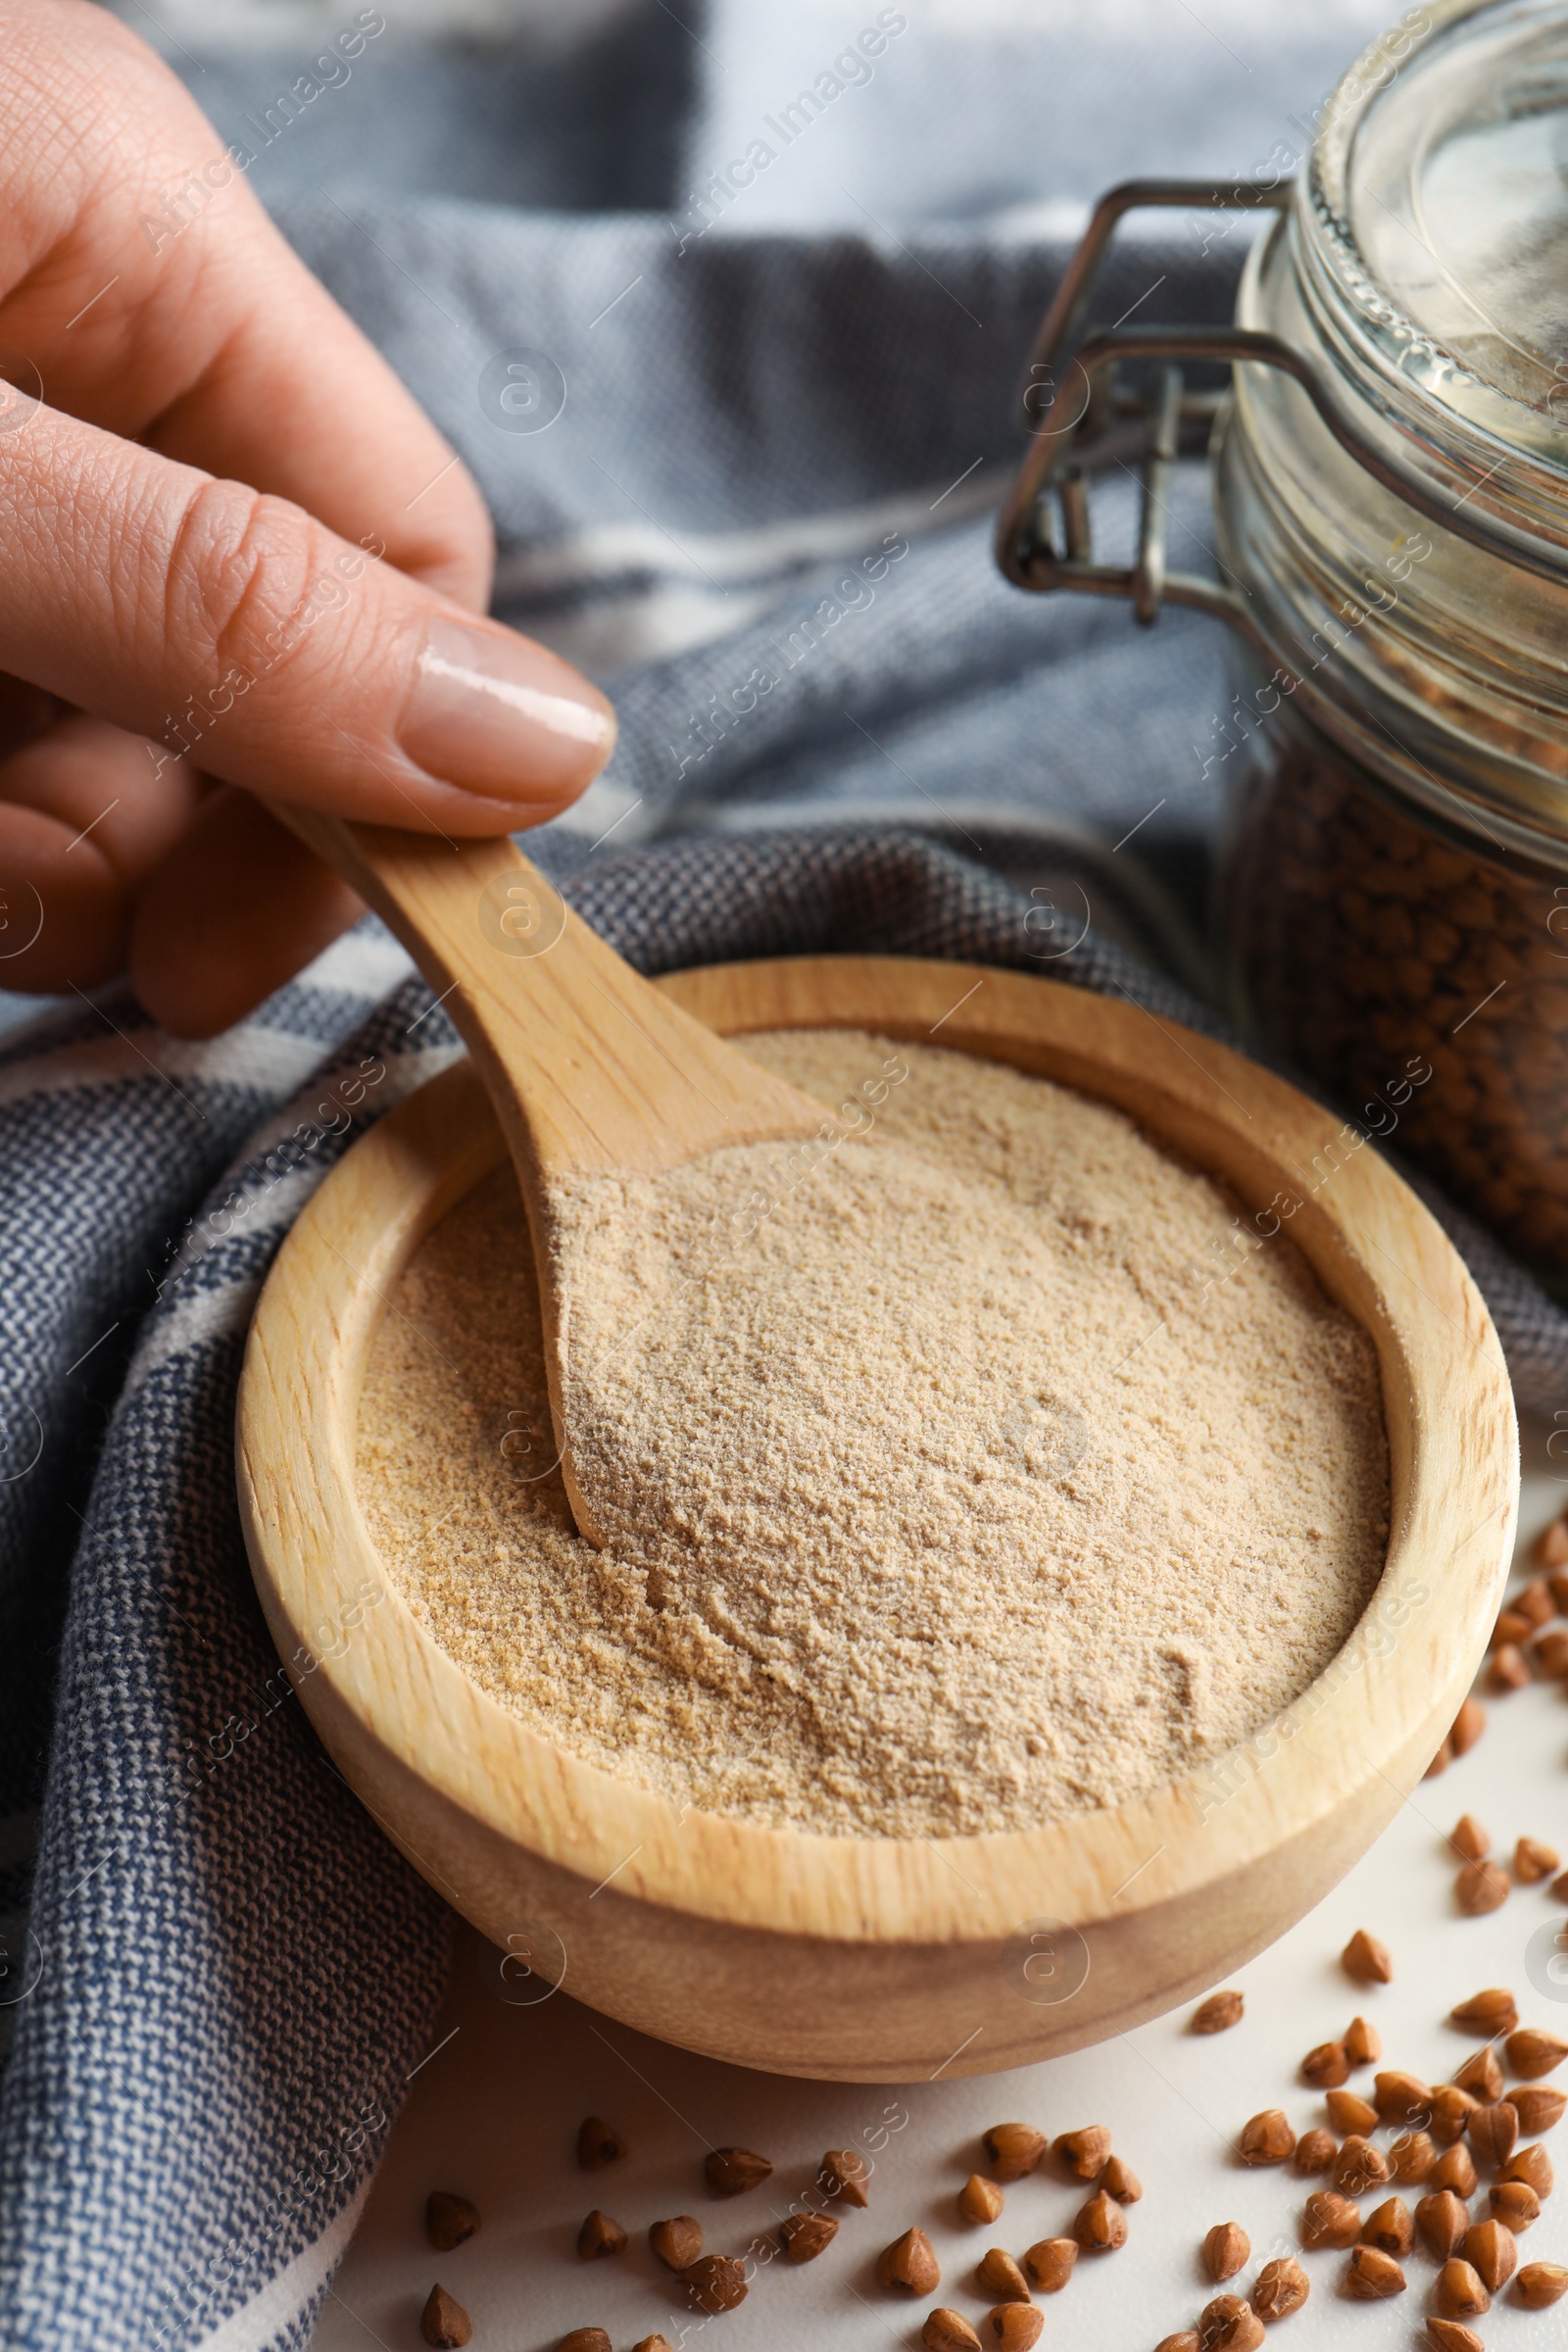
500	716
82	820
235	909
453	552
64	917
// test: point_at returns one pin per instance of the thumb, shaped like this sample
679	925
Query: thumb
236	630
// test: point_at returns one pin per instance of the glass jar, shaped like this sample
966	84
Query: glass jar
1425	983
1391	474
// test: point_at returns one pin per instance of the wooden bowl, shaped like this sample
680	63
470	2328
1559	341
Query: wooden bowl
880	1959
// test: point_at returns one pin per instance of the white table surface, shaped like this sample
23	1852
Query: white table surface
493	2113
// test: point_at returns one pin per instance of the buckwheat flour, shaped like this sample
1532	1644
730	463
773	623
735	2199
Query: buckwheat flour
947	1486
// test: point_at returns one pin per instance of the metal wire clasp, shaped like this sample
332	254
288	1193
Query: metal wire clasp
1093	422
1090	422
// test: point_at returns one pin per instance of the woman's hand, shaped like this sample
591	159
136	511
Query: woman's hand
234	558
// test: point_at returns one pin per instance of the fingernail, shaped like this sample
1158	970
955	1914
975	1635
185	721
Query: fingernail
493	714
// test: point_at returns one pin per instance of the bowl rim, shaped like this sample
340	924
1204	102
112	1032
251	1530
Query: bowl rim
1378	1710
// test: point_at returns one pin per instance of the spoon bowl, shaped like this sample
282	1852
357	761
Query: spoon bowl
591	1070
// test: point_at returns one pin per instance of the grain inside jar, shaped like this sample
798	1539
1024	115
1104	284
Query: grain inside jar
1426	984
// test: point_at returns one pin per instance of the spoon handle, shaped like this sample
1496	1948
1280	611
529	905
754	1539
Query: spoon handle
590	1068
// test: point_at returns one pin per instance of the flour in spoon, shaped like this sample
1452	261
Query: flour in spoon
955	1474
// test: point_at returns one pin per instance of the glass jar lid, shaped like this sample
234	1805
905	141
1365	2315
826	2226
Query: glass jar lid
1438	249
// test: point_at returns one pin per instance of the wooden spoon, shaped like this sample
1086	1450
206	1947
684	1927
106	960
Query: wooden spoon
590	1070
